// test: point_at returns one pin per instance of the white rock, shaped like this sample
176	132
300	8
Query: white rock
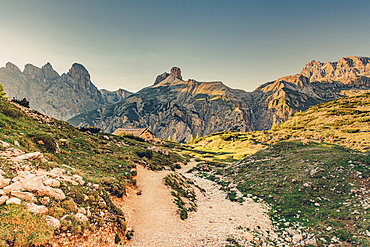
51	182
58	171
23	175
81	210
79	179
297	238
36	209
1	191
312	241
26	196
95	186
49	191
51	221
2	172
13	187
31	184
329	228
4	144
13	200
3	199
80	217
16	143
30	156
4	183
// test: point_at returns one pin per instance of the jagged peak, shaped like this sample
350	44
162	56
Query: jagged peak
175	72
79	73
12	67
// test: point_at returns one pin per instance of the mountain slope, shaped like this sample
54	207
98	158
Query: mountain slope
60	96
56	171
181	109
177	108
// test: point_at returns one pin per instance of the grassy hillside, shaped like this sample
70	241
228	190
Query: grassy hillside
104	160
313	170
320	189
344	122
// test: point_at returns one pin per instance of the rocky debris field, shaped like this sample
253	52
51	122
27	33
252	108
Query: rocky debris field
61	197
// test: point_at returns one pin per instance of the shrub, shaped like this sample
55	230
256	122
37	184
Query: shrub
91	129
24	102
145	153
21	228
46	141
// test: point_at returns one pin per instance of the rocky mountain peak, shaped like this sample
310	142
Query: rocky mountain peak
176	72
161	78
49	72
79	73
12	67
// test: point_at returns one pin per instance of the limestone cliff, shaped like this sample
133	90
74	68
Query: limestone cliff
178	108
59	96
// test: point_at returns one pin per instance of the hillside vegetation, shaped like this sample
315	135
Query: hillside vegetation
344	122
313	170
84	169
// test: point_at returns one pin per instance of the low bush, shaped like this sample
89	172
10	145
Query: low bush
24	102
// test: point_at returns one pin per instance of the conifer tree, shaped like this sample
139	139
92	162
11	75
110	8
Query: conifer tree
169	138
2	92
197	136
191	138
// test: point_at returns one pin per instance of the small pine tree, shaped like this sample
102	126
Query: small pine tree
2	92
191	138
169	138
197	136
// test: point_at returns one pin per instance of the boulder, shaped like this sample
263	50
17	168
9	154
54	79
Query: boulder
51	221
57	172
49	191
79	179
3	199
311	242
80	217
36	209
31	184
4	183
26	196
13	200
13	187
29	156
51	182
297	238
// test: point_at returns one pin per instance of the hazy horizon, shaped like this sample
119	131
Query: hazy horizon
125	44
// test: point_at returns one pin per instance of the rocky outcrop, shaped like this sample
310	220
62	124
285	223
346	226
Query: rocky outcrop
181	109
112	97
59	96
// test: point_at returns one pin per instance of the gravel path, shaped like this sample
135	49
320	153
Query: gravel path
155	220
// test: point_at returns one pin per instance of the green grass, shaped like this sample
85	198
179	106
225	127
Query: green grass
292	178
99	158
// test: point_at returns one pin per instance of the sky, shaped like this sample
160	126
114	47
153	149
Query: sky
126	44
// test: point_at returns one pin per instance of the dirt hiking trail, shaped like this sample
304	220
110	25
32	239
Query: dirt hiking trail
156	222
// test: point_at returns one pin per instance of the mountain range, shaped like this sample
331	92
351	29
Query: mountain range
59	96
183	108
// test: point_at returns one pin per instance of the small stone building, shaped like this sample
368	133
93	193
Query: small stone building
144	133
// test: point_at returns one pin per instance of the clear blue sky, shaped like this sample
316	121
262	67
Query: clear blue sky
126	44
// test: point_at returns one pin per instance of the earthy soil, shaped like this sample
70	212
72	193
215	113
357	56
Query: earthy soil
155	220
